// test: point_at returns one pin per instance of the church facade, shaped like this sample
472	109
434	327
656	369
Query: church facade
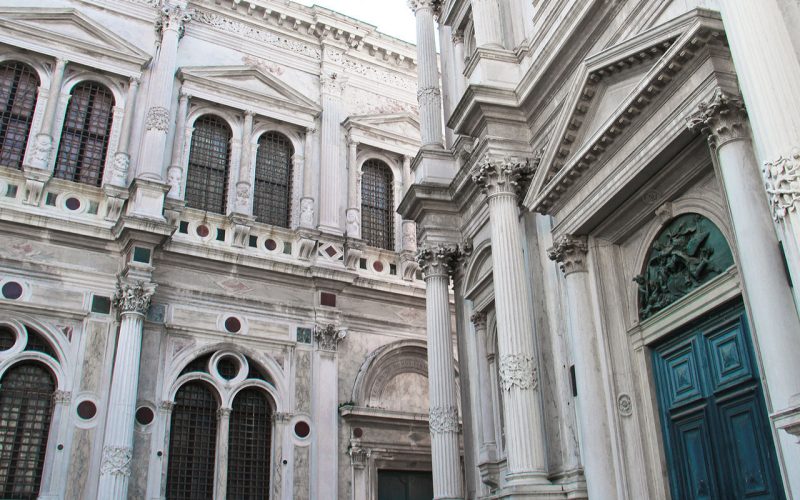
206	289
613	202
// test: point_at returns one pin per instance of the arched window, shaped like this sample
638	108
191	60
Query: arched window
26	407
207	176
84	138
18	88
192	443
377	205
273	187
249	445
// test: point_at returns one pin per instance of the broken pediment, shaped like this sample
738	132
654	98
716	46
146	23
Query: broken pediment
247	87
78	37
397	132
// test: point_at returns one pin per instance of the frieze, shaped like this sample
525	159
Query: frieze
782	179
116	460
517	370
443	419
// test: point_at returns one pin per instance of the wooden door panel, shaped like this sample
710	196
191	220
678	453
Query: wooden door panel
693	450
729	357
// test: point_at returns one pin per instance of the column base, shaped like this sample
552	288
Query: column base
526	478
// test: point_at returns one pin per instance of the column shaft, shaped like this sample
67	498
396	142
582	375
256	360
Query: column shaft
175	172
330	166
353	225
223	430
244	189
487	18
44	139
122	158
428	92
458	66
307	202
488	446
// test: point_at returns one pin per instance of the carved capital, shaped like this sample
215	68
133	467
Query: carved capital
478	319
432	5
359	456
173	18
281	416
116	460
507	175
157	119
224	413
329	336
722	119
517	370
438	260
332	84
458	37
134	297
570	252
443	419
782	179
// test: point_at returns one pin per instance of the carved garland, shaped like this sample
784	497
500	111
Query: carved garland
782	179
517	370
443	419
116	460
157	119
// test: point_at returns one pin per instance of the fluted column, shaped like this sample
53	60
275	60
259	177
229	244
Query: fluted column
437	265
353	207
501	179
223	429
132	301
488	446
488	23
598	468
768	69
43	149
244	188
428	93
330	177
307	202
175	171
458	64
772	310
122	158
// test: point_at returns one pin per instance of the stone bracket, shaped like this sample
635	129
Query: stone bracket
306	242
35	181
115	199
242	224
353	250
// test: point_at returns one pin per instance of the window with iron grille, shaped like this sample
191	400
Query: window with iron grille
84	137
273	187
377	205
249	445
207	175
26	407
19	85
192	443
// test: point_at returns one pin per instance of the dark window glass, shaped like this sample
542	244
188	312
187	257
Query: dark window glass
26	407
249	446
228	367
7	338
377	205
207	177
19	85
192	443
273	190
198	365
84	138
36	342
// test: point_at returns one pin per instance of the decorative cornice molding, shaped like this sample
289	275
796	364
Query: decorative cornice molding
329	336
782	179
507	175
443	419
134	297
517	370
723	119
570	252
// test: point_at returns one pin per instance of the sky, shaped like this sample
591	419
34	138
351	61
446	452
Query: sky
393	17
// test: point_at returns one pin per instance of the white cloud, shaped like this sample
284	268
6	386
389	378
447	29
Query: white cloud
392	17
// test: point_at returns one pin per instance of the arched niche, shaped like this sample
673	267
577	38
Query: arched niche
394	377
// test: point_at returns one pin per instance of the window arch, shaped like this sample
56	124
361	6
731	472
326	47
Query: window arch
26	408
249	445
84	138
273	182
19	85
209	160
192	443
377	205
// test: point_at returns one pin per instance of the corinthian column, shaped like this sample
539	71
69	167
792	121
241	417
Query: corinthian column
501	180
132	301
772	310
598	469
488	445
437	265
428	93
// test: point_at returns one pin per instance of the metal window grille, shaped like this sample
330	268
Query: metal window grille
377	205
19	85
249	446
84	138
192	443
26	407
273	187
207	176
7	338
36	342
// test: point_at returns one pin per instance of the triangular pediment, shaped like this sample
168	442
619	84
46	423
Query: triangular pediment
398	132
247	87
609	96
76	36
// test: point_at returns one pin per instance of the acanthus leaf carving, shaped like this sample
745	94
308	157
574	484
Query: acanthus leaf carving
782	179
723	118
157	119
134	297
570	253
329	336
443	419
517	370
506	175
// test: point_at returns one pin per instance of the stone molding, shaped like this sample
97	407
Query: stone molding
517	370
116	460
134	297
443	419
570	253
506	175
723	118
438	260
782	179
329	336
157	119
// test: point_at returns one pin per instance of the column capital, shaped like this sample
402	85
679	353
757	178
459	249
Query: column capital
281	416
782	178
134	297
723	118
134	81
173	17
458	37
478	319
438	260
503	175
570	252
332	83
224	413
250	113
432	5
311	131
329	336
443	419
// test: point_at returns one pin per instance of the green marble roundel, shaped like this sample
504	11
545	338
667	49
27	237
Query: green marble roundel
689	251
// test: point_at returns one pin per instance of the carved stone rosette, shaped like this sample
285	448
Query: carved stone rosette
570	253
723	118
116	460
782	179
329	336
507	175
438	260
517	370
443	419
134	297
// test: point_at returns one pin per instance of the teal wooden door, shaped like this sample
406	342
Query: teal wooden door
716	429
404	485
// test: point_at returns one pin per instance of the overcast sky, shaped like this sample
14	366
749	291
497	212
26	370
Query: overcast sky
393	17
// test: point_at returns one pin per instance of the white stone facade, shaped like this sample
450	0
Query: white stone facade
129	286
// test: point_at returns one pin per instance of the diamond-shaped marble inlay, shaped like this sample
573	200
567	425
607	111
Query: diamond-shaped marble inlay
330	251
